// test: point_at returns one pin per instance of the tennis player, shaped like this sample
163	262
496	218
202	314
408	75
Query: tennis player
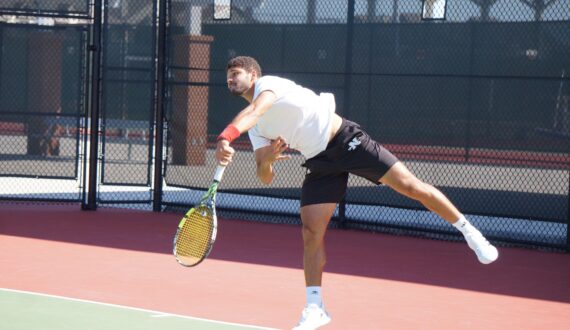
282	115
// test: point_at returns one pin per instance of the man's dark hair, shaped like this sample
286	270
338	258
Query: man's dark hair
245	62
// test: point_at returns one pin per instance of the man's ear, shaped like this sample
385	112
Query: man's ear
254	74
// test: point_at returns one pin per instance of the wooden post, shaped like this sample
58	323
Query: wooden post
189	122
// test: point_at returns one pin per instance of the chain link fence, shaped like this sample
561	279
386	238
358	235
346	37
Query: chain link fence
128	93
42	99
476	103
46	8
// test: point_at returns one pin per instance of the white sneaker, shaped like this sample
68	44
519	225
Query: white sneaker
486	253
313	317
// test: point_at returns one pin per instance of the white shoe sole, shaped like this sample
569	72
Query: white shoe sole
325	321
491	256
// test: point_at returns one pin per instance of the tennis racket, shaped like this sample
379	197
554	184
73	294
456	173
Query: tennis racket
197	230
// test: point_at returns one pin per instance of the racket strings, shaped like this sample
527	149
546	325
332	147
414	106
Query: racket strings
194	238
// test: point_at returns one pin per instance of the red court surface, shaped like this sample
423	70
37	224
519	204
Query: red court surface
254	274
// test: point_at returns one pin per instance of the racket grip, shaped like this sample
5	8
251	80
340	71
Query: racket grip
219	173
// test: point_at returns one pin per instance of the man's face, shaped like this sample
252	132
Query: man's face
239	81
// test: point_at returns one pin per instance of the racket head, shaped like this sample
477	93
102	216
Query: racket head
195	235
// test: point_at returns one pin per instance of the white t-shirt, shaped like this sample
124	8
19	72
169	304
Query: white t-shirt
300	116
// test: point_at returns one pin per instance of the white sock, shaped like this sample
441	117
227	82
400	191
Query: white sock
314	295
463	225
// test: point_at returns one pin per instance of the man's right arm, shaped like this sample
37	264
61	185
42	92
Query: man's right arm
249	116
243	121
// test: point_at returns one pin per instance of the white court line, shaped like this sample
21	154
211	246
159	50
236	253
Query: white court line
153	313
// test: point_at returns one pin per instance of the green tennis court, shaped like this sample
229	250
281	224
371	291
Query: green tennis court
27	310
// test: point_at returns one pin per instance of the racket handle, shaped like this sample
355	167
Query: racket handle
219	173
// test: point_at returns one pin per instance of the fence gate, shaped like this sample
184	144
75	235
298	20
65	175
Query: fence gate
128	38
68	68
43	83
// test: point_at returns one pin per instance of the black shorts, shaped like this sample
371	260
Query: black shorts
350	151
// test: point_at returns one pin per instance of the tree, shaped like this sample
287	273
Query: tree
539	6
485	6
371	10
311	11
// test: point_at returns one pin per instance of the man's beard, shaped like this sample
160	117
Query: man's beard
237	91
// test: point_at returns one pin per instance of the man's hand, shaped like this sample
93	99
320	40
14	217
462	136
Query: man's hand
224	152
266	156
273	152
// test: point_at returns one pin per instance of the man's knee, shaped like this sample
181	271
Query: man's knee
416	189
314	230
313	233
315	220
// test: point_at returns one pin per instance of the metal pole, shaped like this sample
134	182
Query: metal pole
347	86
159	110
94	104
1	47
568	217
469	118
348	55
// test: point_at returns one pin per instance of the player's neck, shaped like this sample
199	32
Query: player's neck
248	95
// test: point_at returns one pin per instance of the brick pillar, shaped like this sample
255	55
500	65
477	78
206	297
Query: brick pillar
44	91
189	122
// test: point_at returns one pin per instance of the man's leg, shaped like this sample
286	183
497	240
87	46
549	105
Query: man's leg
315	218
404	182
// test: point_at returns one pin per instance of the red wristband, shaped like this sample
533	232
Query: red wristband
230	133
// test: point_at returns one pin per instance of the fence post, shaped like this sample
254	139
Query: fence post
159	110
568	217
469	119
94	49
347	87
348	56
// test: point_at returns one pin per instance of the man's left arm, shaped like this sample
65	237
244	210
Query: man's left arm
266	156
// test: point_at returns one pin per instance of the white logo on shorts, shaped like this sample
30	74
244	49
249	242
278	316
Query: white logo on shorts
353	144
